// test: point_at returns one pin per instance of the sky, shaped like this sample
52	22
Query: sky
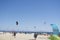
29	14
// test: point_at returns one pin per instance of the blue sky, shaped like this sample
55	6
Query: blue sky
29	13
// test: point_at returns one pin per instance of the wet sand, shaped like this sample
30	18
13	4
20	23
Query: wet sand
9	36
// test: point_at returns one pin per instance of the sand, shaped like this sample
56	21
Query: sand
21	36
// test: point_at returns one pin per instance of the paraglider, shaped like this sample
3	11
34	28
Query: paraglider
16	22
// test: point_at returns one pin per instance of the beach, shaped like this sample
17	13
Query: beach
21	36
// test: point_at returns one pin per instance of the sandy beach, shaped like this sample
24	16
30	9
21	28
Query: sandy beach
9	36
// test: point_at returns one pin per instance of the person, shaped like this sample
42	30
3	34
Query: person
14	34
35	36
